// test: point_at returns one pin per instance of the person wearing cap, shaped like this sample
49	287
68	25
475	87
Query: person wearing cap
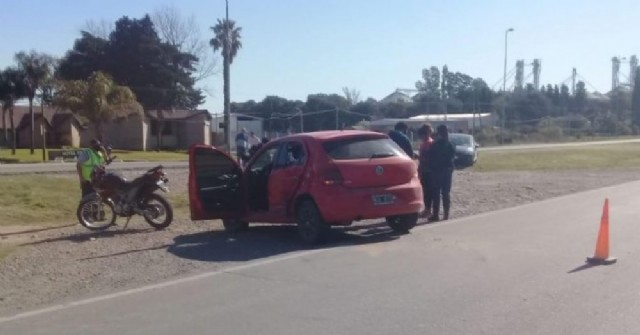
89	158
440	164
399	135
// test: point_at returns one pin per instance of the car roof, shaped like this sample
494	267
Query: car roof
328	135
460	134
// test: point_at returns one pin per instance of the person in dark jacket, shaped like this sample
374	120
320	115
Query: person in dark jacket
399	135
425	132
440	164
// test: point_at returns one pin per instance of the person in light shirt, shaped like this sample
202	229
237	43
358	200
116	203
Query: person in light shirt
253	140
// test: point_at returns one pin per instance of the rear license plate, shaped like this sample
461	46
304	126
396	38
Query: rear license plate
383	199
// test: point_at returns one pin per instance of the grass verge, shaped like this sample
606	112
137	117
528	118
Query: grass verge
24	156
5	250
46	200
609	156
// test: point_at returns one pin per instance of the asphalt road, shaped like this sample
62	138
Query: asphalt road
70	167
65	167
516	271
557	145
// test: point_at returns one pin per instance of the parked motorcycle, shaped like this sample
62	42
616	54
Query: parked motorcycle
115	196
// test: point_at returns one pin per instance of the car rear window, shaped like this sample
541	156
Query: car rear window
361	148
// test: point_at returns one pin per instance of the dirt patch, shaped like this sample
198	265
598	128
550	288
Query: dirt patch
58	264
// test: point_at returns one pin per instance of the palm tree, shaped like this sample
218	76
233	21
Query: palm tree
37	68
98	99
227	38
12	89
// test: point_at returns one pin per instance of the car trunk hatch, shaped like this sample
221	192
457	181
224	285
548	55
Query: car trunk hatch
369	161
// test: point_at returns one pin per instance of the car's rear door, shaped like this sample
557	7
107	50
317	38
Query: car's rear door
216	185
286	176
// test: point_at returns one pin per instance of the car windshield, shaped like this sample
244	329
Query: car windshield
361	148
460	140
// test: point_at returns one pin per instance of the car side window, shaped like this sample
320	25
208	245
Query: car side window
265	159
292	154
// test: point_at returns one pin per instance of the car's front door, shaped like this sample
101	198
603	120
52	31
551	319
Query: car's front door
216	186
286	176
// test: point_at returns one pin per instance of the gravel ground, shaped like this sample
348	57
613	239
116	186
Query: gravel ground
61	264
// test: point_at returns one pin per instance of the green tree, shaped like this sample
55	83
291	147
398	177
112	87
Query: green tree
12	89
87	56
37	67
227	38
157	72
429	89
635	100
98	99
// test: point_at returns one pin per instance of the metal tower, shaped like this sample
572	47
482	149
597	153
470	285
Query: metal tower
536	73
633	63
519	84
574	74
615	81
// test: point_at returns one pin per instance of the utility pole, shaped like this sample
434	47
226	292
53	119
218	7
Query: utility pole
573	81
337	119
301	120
227	102
504	86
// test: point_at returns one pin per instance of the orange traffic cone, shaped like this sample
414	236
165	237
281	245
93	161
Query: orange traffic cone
602	245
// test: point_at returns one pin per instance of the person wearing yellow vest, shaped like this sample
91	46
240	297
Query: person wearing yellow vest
88	159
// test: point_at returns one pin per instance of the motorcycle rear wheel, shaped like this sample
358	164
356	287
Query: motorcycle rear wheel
152	212
95	213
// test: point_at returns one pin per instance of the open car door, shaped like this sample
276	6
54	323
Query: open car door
216	185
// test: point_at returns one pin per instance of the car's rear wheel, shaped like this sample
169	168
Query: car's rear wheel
402	223
235	225
312	228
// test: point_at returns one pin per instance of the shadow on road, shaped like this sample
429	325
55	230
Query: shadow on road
263	241
37	230
582	268
84	237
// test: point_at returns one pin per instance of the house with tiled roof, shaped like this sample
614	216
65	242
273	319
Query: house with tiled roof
171	129
61	128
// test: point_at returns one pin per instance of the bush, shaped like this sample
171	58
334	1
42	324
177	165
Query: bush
551	133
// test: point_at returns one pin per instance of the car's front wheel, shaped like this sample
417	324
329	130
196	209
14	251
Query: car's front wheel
311	226
402	223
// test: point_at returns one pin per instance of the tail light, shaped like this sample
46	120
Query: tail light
332	176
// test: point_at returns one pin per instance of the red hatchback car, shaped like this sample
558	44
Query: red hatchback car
316	180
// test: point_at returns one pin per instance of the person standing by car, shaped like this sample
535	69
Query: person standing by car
399	135
88	159
253	140
425	132
440	164
242	145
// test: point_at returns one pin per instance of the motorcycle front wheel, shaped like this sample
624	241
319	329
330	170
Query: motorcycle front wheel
157	211
95	213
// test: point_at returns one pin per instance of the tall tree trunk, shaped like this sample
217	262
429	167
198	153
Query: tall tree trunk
32	125
98	131
13	132
4	127
159	129
43	132
227	105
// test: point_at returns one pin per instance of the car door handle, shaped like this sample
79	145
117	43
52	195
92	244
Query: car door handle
211	188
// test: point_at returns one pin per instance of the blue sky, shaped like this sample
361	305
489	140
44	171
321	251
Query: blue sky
292	48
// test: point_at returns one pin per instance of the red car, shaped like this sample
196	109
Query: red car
316	180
